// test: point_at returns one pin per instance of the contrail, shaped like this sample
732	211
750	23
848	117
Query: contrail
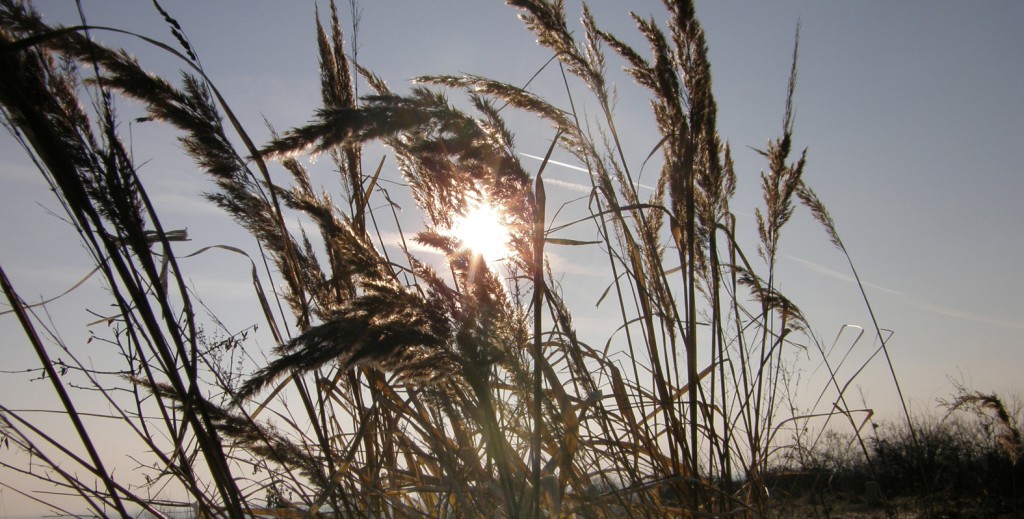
571	166
839	275
555	162
929	307
568	185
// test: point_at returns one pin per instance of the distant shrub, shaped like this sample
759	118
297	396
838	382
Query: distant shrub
956	467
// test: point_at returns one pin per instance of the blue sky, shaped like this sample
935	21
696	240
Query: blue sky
911	113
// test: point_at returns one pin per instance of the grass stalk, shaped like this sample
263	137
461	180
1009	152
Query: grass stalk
432	385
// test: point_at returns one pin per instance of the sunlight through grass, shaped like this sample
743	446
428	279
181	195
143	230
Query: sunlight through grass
483	230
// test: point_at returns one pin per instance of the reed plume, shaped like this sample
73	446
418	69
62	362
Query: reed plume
464	389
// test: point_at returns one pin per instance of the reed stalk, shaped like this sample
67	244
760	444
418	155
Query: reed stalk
459	389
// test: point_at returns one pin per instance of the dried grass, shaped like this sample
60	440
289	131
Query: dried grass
424	393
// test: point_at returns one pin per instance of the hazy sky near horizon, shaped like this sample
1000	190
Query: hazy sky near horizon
911	113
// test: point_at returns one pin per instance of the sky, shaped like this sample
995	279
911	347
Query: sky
910	113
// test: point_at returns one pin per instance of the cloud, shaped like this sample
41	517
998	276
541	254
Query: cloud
908	299
14	172
839	275
560	264
394	239
967	316
555	162
574	167
219	288
188	204
567	185
563	265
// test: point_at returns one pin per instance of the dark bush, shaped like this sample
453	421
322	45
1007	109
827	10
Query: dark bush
955	467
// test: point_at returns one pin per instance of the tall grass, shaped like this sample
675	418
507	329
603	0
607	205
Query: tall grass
464	390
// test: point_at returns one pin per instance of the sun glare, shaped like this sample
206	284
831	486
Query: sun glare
483	231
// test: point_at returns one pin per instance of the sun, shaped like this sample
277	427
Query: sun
483	230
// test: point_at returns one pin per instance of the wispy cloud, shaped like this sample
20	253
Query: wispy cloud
394	239
183	203
555	162
17	173
967	316
912	301
562	264
567	185
573	167
214	288
559	263
821	269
